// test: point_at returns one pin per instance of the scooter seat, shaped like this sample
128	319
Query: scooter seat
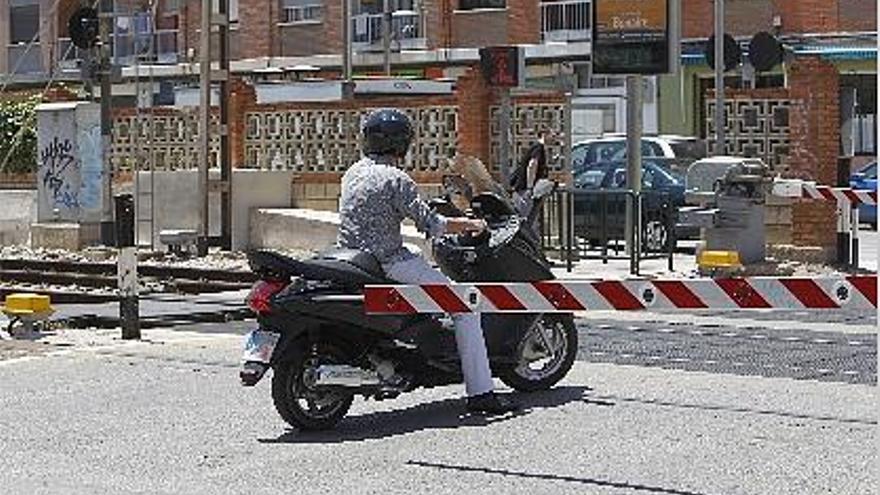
347	267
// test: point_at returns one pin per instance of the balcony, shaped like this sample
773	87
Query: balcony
566	20
159	47
407	31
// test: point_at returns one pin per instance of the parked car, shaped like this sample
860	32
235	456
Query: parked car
663	192
675	153
866	178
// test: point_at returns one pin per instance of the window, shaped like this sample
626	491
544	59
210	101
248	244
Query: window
301	11
24	22
481	4
232	5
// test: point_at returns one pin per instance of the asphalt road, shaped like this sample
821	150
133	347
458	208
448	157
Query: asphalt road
166	415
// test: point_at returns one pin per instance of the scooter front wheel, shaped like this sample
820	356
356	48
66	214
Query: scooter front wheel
545	354
300	406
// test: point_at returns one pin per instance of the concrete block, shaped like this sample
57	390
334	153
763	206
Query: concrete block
56	236
299	228
177	206
18	212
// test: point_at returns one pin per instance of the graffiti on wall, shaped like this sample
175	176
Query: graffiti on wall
58	168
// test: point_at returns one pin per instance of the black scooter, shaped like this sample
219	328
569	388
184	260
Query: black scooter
323	348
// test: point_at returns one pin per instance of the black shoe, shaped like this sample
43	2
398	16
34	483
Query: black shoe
491	404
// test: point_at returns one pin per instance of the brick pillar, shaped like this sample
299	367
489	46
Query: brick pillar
242	97
190	22
333	26
523	22
815	120
474	97
815	144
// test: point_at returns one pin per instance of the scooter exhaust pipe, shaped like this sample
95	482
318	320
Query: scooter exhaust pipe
342	375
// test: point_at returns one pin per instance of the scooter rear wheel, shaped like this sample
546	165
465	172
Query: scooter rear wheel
301	407
560	345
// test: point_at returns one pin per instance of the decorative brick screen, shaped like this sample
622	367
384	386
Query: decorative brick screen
327	140
174	135
755	127
527	120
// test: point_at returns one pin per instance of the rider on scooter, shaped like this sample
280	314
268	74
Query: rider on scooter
376	197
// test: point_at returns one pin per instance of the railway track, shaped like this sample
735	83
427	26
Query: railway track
91	282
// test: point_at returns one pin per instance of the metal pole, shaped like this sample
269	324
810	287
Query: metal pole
386	35
225	144
504	144
346	40
105	25
719	78
204	125
634	90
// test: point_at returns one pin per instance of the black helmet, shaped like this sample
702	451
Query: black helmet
387	132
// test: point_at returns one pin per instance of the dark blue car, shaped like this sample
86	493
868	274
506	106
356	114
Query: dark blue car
866	179
602	215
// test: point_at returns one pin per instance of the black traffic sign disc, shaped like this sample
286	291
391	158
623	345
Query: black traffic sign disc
765	51
83	27
732	53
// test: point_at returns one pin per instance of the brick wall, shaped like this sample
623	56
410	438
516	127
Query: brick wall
747	17
333	25
302	40
523	22
857	15
811	227
257	26
477	28
808	16
474	98
438	15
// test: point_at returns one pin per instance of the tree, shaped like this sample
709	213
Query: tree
19	152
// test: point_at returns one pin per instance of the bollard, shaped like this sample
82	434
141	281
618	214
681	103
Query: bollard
129	317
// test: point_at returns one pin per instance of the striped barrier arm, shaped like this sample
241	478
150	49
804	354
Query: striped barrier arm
854	292
794	188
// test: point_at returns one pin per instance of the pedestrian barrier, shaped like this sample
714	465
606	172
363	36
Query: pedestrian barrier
788	293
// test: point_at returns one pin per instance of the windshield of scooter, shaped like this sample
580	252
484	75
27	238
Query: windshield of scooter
472	180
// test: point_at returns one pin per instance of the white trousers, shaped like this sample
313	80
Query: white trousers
468	331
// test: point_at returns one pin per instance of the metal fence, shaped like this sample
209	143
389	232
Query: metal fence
590	224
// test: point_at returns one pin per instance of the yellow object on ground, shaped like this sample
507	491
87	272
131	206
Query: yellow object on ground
719	259
24	305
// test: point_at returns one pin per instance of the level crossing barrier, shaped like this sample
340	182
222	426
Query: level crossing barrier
858	292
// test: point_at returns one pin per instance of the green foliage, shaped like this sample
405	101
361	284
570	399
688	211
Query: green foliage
15	115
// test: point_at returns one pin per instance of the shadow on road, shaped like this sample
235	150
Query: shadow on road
555	477
439	414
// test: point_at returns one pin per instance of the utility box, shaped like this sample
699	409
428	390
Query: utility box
70	165
732	214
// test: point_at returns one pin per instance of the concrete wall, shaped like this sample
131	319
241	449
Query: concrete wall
312	230
177	204
18	210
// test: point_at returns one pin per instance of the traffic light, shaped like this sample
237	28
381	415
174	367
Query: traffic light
732	53
765	51
83	28
503	66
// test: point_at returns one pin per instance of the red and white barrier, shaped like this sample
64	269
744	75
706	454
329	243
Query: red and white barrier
794	188
855	292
